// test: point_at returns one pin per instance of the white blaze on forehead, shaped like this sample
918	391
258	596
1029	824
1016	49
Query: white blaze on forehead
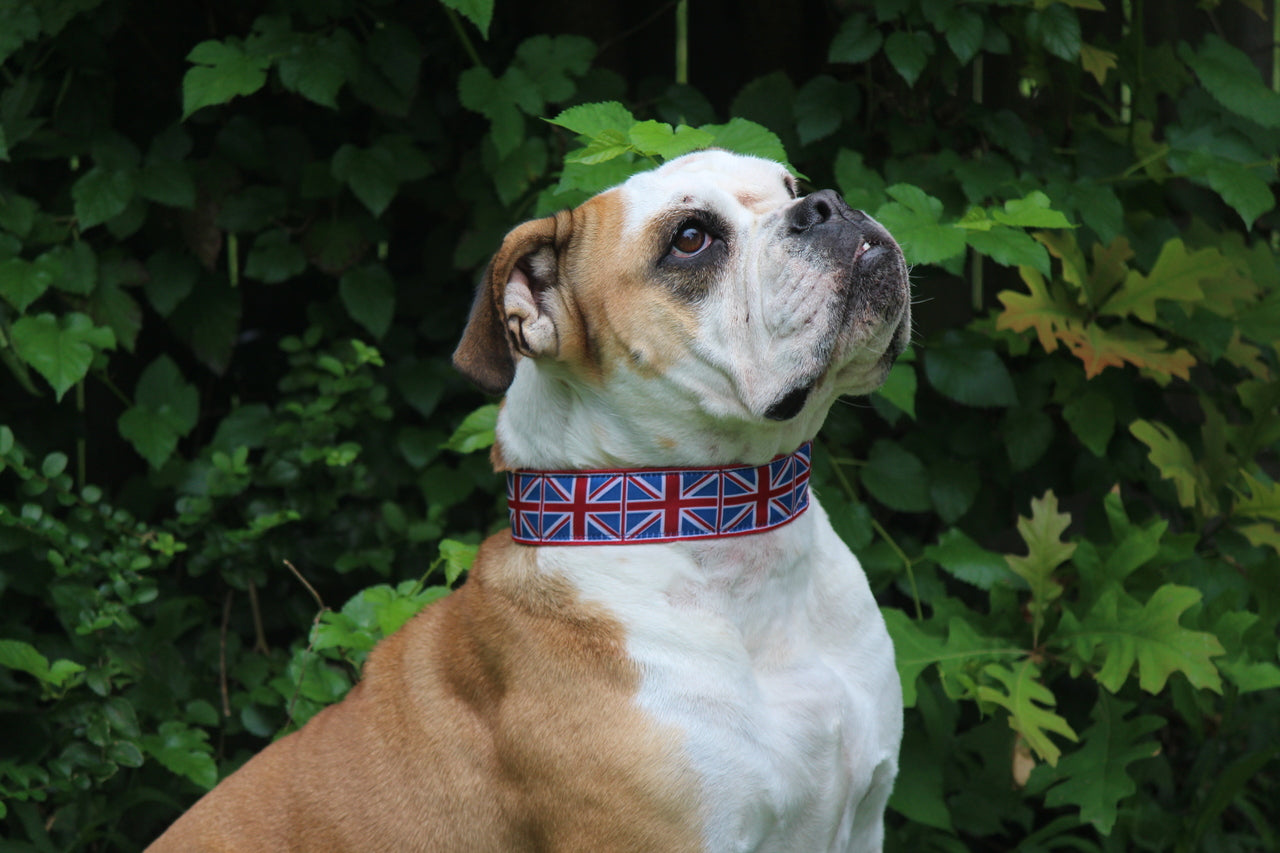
718	179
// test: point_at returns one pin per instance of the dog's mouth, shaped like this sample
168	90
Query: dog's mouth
789	405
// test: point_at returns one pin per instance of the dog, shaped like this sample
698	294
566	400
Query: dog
671	650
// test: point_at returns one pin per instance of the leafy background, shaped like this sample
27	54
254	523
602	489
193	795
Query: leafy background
237	242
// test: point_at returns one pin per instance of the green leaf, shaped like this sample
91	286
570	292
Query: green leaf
914	650
1122	633
590	120
183	750
1232	79
552	61
23	282
909	53
1092	417
53	465
747	137
1176	276
856	41
821	106
1244	189
1095	777
167	182
913	219
166	409
1032	211
657	139
24	657
963	29
1046	551
1009	247
475	432
861	186
60	349
171	275
1057	28
274	257
223	70
369	294
896	477
966	560
1175	462
317	68
899	387
1028	703
101	194
458	558
969	373
1027	434
478	12
370	172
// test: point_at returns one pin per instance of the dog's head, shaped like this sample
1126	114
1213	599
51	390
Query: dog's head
707	292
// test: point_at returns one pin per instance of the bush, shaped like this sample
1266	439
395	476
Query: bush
236	247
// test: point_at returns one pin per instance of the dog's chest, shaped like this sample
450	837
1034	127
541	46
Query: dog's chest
778	676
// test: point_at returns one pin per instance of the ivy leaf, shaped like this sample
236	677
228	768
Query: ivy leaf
1042	534
1122	634
23	282
1232	79
60	349
1028	703
1095	777
223	70
369	295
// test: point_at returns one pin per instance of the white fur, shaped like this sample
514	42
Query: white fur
766	653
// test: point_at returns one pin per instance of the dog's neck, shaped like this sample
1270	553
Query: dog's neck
549	424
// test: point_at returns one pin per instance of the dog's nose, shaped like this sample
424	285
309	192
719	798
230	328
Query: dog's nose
816	209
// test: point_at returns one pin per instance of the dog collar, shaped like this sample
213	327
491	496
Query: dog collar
656	504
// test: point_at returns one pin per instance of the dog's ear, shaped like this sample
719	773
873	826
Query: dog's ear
508	317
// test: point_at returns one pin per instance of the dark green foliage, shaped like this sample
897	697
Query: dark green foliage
237	245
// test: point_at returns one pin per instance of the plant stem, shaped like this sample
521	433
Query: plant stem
682	43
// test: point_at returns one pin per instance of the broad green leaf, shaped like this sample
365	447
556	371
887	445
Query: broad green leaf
1245	190
166	409
101	194
1092	418
861	186
370	172
369	294
1057	28
1029	705
896	477
820	107
17	214
966	560
274	258
1009	247
1240	666
606	146
183	750
1027	434
475	432
856	41
899	387
24	657
591	120
478	12
167	182
658	139
953	486
914	650
908	53
747	137
1097	62
458	558
171	275
223	70
1032	211
60	349
317	67
1095	777
963	29
969	373
913	217
23	282
551	63
1121	633
1232	79
1046	551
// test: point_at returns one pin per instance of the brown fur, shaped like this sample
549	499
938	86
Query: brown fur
500	718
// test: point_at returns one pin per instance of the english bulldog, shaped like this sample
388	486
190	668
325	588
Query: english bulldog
671	649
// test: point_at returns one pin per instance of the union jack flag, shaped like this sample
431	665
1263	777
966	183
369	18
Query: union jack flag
661	505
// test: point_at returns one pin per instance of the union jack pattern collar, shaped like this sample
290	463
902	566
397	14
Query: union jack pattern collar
656	505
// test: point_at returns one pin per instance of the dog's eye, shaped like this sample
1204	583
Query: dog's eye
690	239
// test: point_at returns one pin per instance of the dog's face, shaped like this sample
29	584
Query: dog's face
704	290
